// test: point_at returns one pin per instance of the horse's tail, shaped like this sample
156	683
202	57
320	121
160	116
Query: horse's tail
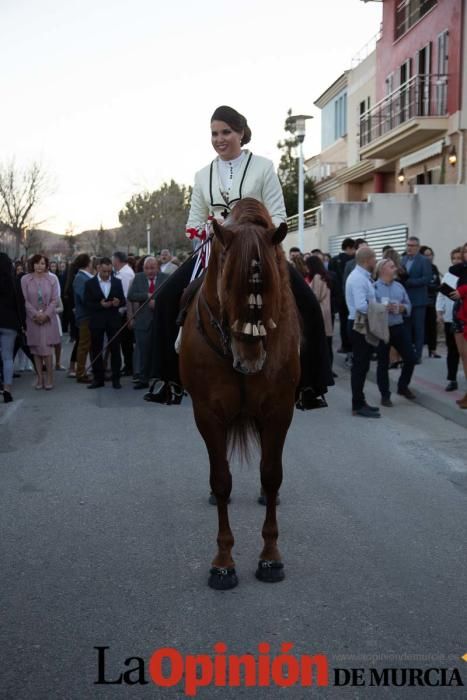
242	435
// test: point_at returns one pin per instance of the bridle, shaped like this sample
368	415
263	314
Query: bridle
220	326
224	350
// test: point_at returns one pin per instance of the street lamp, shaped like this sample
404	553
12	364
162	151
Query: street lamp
297	126
148	237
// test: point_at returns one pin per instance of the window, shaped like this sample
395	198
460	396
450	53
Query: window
389	83
408	12
340	117
443	53
441	91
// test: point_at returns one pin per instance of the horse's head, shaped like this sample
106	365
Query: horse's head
249	281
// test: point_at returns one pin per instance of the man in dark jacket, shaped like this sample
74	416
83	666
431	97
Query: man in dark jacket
143	287
418	268
103	297
83	263
337	266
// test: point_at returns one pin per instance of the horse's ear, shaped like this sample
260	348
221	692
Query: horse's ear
279	234
220	232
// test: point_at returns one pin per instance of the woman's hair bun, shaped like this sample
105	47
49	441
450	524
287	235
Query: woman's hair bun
246	134
235	120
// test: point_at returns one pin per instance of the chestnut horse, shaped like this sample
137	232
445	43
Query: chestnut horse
239	360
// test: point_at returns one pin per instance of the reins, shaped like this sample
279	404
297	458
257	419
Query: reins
225	350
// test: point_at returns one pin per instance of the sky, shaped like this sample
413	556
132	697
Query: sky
114	97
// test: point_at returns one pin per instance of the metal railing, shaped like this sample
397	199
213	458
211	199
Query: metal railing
421	96
367	49
312	217
408	12
322	170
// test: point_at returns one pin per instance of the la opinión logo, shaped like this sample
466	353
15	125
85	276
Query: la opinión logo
167	667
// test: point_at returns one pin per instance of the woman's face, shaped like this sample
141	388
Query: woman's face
53	267
429	253
464	253
226	142
19	270
388	271
40	266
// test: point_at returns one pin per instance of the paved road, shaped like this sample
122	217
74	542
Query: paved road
107	538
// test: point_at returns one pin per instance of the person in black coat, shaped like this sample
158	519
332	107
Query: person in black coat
9	323
103	296
431	323
337	266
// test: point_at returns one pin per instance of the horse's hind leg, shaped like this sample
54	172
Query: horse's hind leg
222	574
270	567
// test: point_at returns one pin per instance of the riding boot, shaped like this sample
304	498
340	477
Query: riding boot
307	400
159	392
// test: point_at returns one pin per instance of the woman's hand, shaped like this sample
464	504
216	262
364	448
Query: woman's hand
39	318
455	295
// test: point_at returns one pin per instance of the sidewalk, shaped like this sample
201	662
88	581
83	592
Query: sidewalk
428	383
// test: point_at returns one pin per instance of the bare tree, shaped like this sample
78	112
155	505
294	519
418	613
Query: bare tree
32	241
21	192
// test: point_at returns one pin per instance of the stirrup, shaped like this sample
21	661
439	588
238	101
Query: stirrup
159	395
307	400
176	394
178	342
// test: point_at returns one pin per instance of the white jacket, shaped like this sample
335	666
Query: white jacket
256	178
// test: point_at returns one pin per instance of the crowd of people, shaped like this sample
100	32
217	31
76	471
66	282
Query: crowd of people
388	310
91	299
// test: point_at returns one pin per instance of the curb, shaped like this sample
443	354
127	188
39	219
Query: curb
423	397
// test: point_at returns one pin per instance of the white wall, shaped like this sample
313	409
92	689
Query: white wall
361	85
437	214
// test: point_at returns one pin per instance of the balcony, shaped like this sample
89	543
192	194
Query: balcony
320	170
408	118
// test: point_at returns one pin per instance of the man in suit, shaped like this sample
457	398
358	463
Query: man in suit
83	263
337	266
141	289
418	268
103	297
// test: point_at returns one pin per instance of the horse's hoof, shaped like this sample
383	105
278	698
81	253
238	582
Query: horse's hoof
262	500
213	499
222	579
270	571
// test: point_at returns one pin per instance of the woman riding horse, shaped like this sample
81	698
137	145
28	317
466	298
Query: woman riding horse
236	173
239	359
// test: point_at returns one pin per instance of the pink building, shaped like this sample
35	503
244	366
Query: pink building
393	148
419	93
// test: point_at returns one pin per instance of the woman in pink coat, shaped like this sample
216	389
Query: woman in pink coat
40	296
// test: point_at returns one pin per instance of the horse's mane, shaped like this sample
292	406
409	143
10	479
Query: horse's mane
252	229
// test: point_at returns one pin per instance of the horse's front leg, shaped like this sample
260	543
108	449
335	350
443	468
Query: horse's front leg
222	575
270	567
